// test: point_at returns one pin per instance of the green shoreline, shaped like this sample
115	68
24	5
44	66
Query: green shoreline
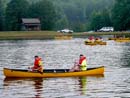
19	35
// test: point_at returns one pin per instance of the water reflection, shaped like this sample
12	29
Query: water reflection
16	83
38	85
83	85
83	82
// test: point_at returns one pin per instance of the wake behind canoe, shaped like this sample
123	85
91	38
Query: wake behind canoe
48	73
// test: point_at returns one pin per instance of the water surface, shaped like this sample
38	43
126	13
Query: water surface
61	54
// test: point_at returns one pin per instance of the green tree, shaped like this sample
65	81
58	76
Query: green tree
79	26
121	15
95	21
45	11
62	23
78	12
100	19
16	9
1	15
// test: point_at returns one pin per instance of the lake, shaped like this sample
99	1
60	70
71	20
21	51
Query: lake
114	56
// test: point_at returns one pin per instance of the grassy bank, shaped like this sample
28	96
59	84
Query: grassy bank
27	35
16	35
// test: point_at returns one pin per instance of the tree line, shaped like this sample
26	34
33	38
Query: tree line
79	15
18	9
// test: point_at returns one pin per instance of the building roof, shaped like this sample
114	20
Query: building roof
30	20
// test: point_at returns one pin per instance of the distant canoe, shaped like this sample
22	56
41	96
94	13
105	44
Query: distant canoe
95	43
63	37
120	39
50	73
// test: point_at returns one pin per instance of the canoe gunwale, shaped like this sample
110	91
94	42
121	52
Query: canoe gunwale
51	70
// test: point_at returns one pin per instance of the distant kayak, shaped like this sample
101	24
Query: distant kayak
50	73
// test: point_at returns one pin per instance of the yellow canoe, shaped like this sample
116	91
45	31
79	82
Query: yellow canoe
122	40
50	73
127	38
95	43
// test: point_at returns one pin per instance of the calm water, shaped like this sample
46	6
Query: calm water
61	54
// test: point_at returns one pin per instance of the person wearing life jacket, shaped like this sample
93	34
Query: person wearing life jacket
80	65
92	39
98	39
82	62
38	64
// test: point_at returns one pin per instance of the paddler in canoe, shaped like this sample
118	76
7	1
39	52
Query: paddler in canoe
38	65
98	39
91	39
80	65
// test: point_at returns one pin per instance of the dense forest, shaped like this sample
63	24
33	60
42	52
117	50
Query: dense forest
79	15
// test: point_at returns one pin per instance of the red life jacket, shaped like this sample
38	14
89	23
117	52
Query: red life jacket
81	60
83	63
36	63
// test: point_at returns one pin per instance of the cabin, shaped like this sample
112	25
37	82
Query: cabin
30	24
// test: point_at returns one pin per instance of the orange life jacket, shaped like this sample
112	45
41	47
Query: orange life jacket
37	63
